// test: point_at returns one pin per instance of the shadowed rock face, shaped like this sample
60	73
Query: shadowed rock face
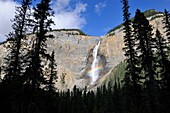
73	55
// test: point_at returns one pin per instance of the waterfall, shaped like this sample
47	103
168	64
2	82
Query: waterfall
95	70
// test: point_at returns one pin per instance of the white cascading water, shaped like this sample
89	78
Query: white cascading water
94	67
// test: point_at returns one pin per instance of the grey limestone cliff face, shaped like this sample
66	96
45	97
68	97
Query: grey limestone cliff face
74	55
71	55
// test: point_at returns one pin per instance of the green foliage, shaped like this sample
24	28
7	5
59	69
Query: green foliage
80	31
148	13
115	28
117	72
151	12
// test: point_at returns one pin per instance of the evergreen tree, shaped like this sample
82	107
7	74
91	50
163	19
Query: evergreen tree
131	75
166	21
110	99
145	44
14	60
164	72
98	102
162	57
117	101
53	74
42	22
145	47
129	43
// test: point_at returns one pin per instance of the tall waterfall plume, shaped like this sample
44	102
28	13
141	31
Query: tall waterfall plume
95	67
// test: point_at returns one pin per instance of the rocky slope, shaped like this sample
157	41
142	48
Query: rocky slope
74	55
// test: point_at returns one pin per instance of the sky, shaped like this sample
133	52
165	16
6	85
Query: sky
93	17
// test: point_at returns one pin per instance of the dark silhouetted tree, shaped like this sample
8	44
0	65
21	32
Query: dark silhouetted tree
166	75
131	75
166	21
42	23
52	75
117	98
162	57
145	50
14	62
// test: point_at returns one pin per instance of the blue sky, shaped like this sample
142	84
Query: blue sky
94	17
111	15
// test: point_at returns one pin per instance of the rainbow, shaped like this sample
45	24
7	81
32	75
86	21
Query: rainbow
97	69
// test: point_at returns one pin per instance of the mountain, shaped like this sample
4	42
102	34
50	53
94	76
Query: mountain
84	60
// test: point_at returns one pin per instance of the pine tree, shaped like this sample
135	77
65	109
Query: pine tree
145	49
166	21
53	74
131	75
162	56
117	100
14	62
146	62
42	23
143	35
164	62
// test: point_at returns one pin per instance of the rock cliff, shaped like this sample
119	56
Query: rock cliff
74	54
